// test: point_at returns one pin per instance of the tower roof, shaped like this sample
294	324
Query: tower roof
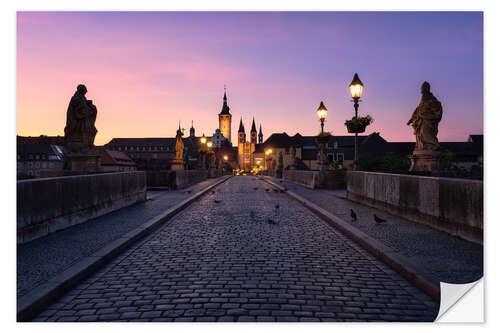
260	129
225	108
192	125
242	128
253	127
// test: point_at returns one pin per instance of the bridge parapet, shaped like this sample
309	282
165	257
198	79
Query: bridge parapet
46	205
448	204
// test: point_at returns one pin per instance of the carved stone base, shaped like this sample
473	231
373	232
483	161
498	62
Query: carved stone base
83	162
425	160
177	164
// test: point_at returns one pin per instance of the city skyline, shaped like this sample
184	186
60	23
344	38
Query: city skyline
146	72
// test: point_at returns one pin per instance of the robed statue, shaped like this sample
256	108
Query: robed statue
80	130
179	146
425	120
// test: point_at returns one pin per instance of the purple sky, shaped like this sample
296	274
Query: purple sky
146	71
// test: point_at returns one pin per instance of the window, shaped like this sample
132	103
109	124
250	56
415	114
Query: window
30	156
340	158
51	165
335	145
44	157
44	165
18	156
37	157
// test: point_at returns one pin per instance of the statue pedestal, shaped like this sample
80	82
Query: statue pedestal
83	162
425	160
177	164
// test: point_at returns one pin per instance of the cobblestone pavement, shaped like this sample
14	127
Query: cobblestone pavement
42	259
221	259
448	258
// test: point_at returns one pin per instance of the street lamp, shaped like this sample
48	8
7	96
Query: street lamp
322	111
225	158
356	88
203	141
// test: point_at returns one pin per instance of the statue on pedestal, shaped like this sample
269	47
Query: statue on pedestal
425	120
80	132
178	162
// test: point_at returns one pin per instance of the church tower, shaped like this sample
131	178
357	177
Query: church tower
253	133
241	133
191	130
225	119
261	136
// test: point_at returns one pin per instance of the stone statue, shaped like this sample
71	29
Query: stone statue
425	120
178	162
80	130
179	147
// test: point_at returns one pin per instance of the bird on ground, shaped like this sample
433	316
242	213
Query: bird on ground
267	190
271	221
255	188
216	201
378	219
353	215
275	190
188	192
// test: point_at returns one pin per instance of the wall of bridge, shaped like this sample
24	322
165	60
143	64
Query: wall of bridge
176	179
46	205
448	204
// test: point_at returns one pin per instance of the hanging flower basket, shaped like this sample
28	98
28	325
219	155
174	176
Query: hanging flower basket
323	137
358	124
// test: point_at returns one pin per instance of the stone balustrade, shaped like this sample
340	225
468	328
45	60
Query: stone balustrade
332	180
46	205
448	204
176	179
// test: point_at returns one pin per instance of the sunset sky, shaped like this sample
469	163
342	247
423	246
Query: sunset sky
147	71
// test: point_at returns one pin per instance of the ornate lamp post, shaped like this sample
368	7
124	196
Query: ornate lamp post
226	158
322	139
203	141
268	157
211	155
356	88
322	111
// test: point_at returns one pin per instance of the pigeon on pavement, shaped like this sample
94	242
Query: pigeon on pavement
378	219
353	215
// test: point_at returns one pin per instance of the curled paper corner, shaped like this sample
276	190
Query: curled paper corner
457	306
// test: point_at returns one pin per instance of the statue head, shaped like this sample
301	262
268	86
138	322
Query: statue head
426	87
81	89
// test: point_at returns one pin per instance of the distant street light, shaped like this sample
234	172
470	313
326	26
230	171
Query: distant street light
225	158
209	144
356	88
203	139
322	111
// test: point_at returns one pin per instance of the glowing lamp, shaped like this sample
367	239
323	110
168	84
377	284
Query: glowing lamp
322	111
356	87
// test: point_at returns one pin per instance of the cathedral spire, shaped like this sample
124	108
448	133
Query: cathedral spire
242	128
253	126
261	136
